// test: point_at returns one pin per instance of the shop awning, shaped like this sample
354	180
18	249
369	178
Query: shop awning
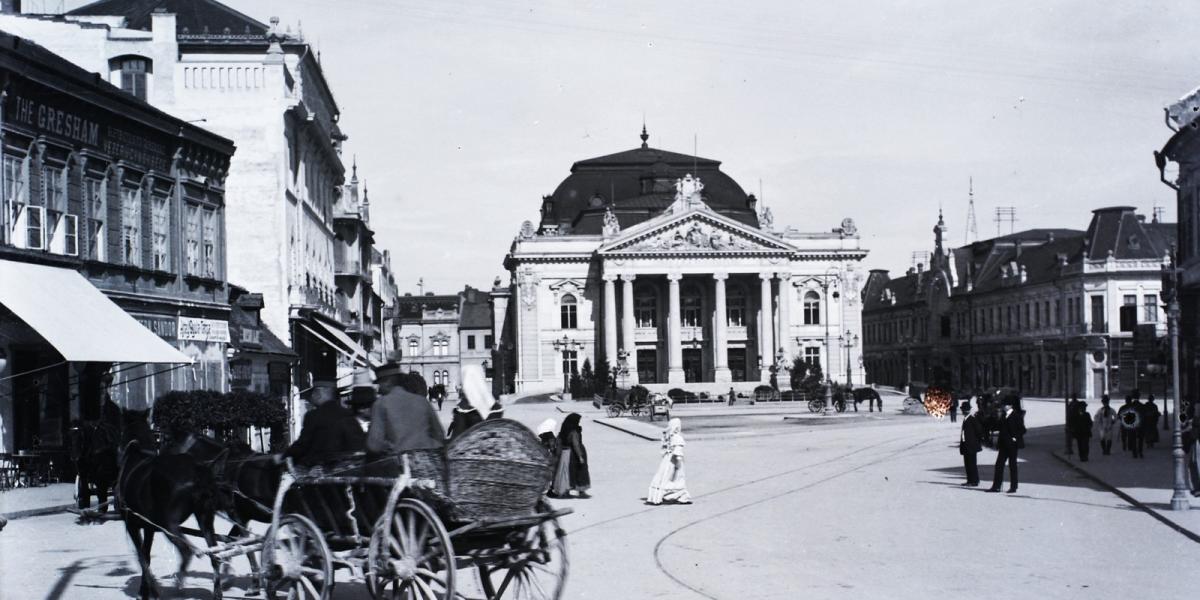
342	342
77	319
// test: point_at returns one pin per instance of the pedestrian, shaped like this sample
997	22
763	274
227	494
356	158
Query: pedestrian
545	433
441	397
970	442
1105	422
1124	422
953	409
464	417
330	431
1150	420
1009	440
401	418
1189	434
732	397
669	484
475	402
572	472
1081	430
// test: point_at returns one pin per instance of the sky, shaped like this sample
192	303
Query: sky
462	115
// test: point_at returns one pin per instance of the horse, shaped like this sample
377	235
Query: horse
868	395
248	483
159	492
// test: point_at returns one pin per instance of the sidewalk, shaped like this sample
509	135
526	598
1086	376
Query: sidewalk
34	501
1147	483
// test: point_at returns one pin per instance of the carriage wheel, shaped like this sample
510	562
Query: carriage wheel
536	570
614	410
815	406
412	556
840	406
296	561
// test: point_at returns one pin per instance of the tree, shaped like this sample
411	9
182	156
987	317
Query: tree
587	378
808	378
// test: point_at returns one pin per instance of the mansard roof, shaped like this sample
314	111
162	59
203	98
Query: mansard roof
192	17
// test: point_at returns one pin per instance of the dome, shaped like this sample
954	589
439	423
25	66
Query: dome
638	184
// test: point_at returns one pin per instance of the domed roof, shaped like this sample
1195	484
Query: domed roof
638	184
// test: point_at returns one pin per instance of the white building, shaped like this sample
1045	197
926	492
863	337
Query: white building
263	88
660	262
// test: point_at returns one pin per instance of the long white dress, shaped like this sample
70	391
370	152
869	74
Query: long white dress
669	484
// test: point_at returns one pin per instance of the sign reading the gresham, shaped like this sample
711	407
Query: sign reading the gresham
43	112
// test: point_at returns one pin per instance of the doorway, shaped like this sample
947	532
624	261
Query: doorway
1097	383
737	363
647	365
693	364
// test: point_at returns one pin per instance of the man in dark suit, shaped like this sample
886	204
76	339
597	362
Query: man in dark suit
330	430
970	443
1008	440
401	419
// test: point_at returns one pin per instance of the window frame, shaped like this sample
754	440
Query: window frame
811	308
568	311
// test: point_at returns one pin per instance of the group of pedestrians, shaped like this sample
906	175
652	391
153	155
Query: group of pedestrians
1010	439
571	473
1135	424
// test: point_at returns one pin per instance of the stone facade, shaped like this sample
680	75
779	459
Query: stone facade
672	284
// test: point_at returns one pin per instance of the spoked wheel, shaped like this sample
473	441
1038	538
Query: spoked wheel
411	557
815	406
536	569
614	410
840	406
296	561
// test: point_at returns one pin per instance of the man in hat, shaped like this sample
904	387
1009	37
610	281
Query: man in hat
970	442
330	431
1008	440
400	419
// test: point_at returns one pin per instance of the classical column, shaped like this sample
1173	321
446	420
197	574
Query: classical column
674	343
628	324
720	353
766	324
784	336
610	320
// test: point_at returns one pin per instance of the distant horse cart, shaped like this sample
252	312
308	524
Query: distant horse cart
470	520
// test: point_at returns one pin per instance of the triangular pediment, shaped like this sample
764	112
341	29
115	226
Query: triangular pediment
697	231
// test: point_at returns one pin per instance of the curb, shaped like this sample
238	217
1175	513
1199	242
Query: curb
37	512
1189	534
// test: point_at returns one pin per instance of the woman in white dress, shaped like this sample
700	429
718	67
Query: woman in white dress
668	484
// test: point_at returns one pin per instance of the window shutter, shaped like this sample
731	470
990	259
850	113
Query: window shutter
143	199
112	225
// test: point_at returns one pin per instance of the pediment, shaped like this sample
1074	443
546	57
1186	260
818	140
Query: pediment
695	232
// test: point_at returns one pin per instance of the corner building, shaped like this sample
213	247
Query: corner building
660	263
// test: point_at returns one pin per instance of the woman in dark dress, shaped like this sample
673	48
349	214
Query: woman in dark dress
465	417
572	472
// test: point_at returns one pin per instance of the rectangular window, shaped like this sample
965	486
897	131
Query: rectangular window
570	361
735	315
131	226
160	221
645	312
193	235
1098	324
470	342
812	355
1150	308
16	199
97	207
487	342
133	76
35	233
60	234
210	243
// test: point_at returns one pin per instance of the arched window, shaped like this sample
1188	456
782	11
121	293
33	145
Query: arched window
132	71
812	308
569	311
735	307
437	377
446	377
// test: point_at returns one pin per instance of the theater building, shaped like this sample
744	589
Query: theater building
112	249
659	264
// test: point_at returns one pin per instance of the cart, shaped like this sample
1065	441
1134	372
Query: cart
469	522
634	406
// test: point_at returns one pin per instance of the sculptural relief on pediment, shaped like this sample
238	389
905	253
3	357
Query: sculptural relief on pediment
696	236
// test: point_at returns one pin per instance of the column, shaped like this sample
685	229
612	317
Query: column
721	371
628	324
766	325
610	320
674	343
784	336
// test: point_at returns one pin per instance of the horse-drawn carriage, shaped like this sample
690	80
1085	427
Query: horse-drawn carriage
469	521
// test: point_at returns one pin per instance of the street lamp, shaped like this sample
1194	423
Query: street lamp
825	281
848	341
1170	281
565	345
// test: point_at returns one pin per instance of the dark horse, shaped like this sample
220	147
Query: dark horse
158	492
93	446
248	482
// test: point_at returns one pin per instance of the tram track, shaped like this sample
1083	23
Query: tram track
658	562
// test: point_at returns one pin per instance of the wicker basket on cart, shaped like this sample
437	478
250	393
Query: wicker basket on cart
498	469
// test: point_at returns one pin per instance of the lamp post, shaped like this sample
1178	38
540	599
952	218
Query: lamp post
825	281
565	345
1170	295
848	340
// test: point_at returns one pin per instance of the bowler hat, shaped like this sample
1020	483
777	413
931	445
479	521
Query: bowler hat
389	369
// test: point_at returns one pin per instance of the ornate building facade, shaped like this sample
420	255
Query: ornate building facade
1037	310
659	265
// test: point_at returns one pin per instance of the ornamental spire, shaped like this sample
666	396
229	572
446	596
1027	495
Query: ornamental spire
645	136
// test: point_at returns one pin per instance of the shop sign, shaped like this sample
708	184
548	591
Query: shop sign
203	330
163	327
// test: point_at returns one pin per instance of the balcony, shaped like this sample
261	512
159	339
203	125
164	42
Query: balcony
350	268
